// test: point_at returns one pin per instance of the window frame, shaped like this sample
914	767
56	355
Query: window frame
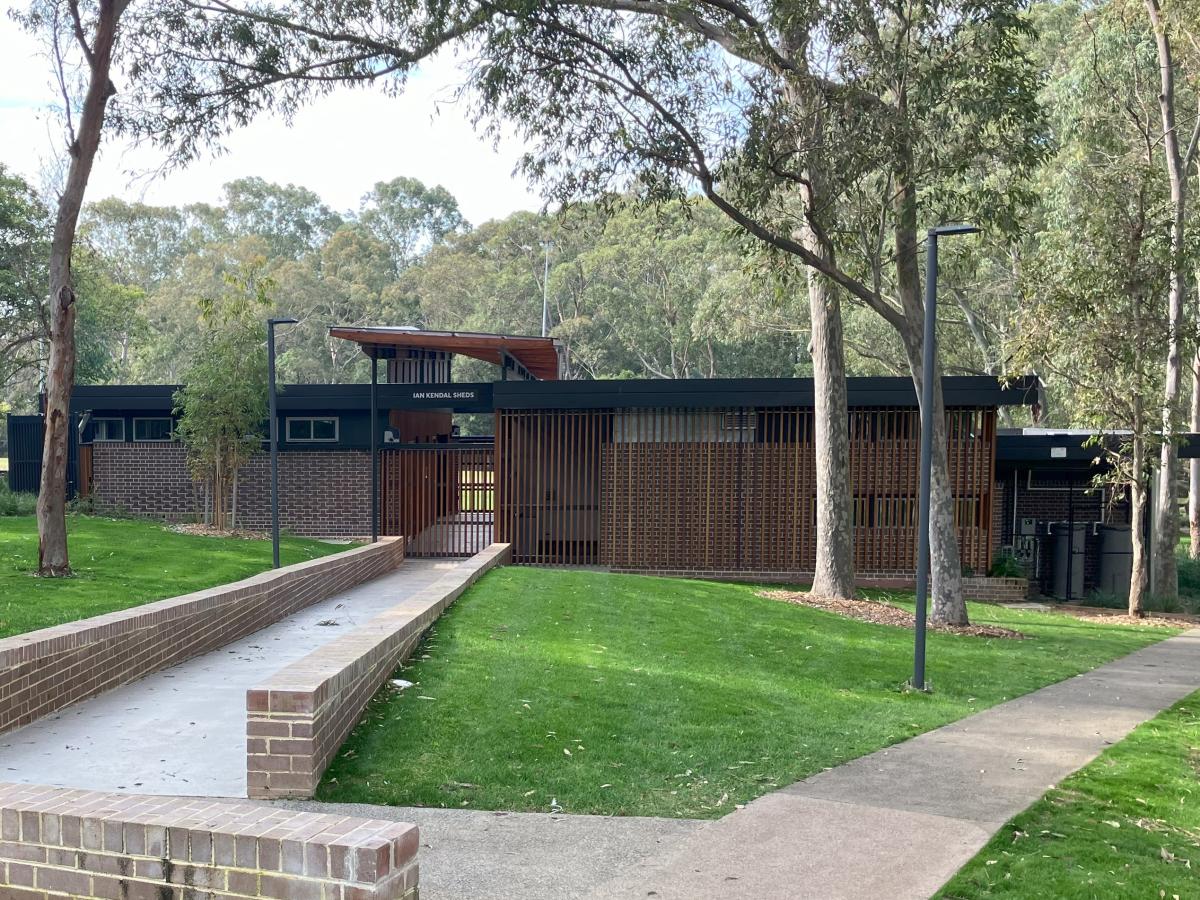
96	420
289	439
149	440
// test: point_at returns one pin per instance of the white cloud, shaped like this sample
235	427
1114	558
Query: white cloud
339	146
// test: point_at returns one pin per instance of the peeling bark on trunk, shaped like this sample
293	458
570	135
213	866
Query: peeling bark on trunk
1139	575
945	562
1164	578
53	559
834	574
1194	464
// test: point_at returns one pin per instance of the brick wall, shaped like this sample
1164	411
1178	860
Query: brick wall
45	670
1087	506
146	480
996	590
324	493
296	721
68	843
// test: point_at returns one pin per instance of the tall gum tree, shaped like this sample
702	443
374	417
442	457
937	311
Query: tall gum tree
92	33
1178	158
806	123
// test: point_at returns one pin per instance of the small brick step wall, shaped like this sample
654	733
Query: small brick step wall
43	671
297	720
996	590
68	843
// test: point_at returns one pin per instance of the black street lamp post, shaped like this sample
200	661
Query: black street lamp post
274	433
929	355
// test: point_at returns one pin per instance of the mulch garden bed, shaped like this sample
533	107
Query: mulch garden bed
210	531
882	614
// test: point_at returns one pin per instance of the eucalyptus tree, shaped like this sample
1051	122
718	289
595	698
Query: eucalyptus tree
293	220
1094	323
784	115
1179	151
81	38
410	217
24	230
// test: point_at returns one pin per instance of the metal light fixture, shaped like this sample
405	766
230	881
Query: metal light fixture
929	355
274	433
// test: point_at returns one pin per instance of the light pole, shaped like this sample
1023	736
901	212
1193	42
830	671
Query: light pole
929	355
274	432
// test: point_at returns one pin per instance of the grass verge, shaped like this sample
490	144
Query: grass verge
121	563
632	695
1127	825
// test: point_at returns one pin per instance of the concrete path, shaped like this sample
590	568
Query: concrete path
895	824
183	730
475	855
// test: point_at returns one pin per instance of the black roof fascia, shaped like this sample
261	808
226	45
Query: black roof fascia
959	391
896	392
1037	448
465	397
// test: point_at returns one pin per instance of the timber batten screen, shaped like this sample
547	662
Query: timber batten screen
441	499
728	490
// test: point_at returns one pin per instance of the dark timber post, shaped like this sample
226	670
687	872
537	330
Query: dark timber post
274	435
928	360
374	446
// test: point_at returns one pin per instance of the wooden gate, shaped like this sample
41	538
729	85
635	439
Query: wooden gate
442	499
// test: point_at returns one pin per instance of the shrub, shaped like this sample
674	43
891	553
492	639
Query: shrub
12	504
1006	565
1108	600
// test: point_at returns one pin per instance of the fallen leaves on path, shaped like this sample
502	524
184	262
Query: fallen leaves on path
882	614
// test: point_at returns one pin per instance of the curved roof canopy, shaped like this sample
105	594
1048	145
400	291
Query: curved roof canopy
539	355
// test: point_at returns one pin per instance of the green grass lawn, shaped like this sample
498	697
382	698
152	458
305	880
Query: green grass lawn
120	563
1128	825
623	694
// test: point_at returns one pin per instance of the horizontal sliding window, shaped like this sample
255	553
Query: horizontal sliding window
153	429
108	429
312	429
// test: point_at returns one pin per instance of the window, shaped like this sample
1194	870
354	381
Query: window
152	429
108	429
312	429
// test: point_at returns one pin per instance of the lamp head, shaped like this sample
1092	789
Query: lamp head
954	228
285	320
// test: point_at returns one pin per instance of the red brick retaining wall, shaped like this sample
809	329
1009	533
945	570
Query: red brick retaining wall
296	721
325	493
996	590
68	843
43	671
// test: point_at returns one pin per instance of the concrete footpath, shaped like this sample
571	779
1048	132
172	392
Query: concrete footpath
895	824
182	730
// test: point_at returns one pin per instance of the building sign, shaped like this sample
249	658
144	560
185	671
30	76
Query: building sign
445	395
458	397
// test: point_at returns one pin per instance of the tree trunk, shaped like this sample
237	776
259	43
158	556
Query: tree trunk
218	493
1164	578
1194	463
233	513
834	572
1137	525
945	562
60	367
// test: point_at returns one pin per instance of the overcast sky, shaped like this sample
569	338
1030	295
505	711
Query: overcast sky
338	147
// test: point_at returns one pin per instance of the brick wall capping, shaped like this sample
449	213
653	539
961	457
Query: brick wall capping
63	842
297	718
57	638
44	671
